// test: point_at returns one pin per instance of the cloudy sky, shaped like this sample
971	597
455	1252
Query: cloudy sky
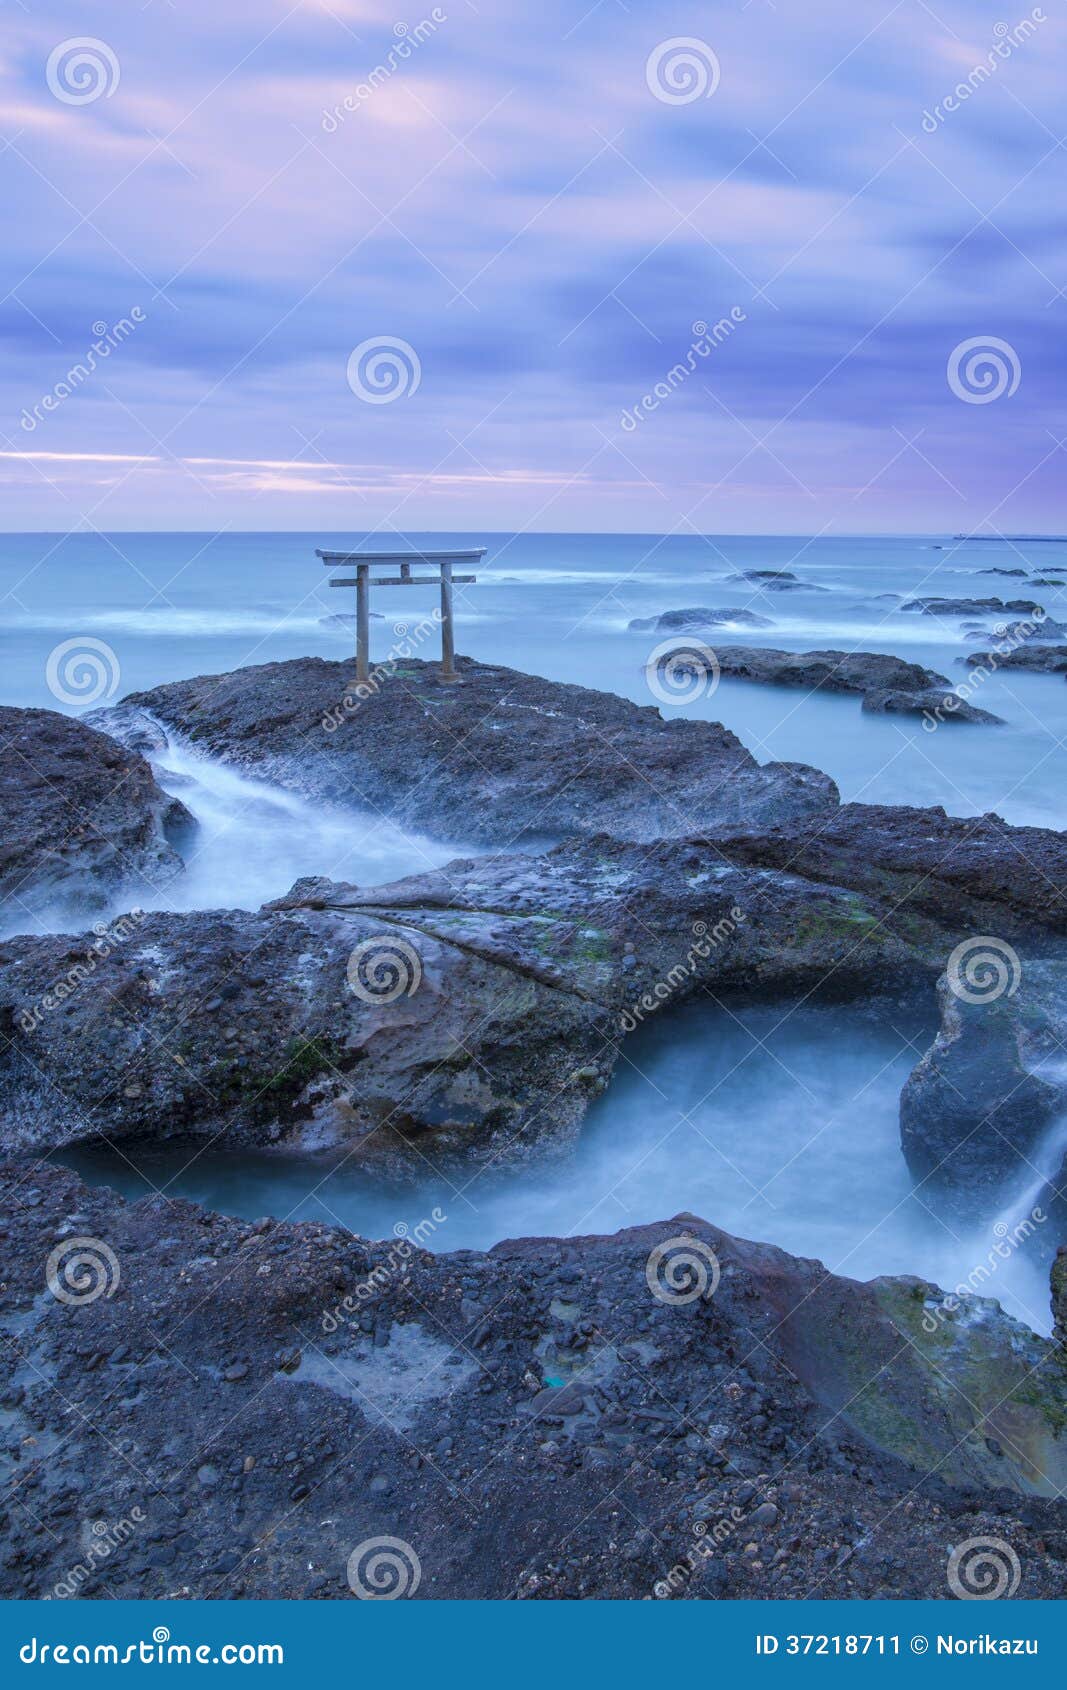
524	214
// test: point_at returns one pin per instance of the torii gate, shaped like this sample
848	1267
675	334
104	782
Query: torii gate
363	580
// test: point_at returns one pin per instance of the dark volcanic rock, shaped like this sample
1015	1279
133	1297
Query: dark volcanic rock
1045	659
692	620
261	1402
970	607
774	581
84	821
498	757
999	571
931	702
1043	628
977	874
830	671
975	1108
486	1012
763	575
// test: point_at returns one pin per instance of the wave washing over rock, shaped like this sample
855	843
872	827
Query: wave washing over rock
628	1389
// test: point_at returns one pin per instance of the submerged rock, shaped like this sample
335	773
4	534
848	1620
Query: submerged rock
84	820
774	581
498	757
931	702
502	1419
975	1108
695	618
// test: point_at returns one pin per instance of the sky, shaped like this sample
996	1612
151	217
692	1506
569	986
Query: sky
481	267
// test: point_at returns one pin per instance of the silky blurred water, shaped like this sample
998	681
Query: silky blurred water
175	605
778	1123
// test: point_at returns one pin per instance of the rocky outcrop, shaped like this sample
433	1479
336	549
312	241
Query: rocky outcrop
1032	632
774	581
976	874
886	684
1044	659
971	607
931	703
692	620
474	1010
763	575
668	1412
496	758
976	1107
84	821
827	671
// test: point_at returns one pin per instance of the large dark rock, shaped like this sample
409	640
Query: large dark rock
932	703
498	757
977	874
976	1107
1044	659
971	607
261	1404
828	671
84	822
487	1011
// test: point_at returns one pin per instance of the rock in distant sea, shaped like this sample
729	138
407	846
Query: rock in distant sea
887	684
695	617
971	607
829	671
930	702
1032	633
1044	659
83	818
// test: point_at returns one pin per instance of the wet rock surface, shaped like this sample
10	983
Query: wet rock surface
978	874
828	671
971	607
1047	660
257	1402
932	703
978	1104
83	819
478	1007
695	617
497	758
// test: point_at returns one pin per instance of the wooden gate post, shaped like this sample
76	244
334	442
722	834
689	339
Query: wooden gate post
448	642
362	623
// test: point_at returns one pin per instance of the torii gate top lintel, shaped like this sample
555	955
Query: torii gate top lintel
362	580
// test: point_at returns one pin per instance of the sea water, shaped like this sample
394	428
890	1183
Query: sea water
775	1122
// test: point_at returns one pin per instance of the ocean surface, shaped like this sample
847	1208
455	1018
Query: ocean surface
780	1124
